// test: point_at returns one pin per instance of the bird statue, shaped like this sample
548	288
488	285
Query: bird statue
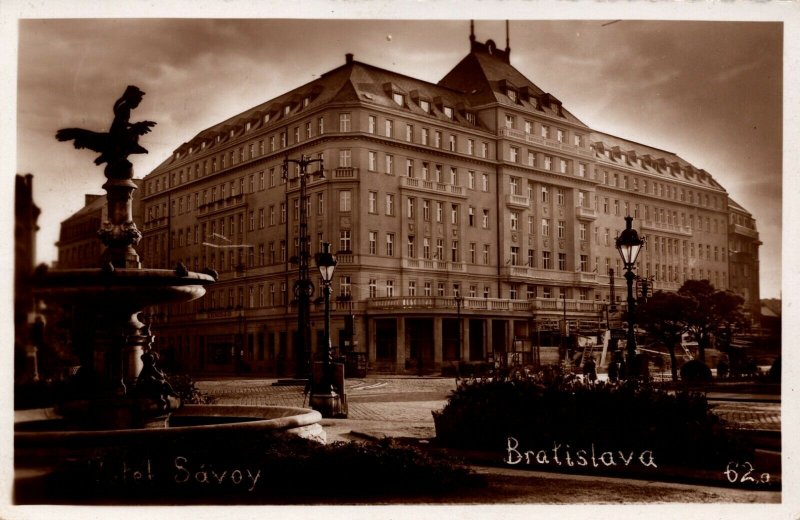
121	140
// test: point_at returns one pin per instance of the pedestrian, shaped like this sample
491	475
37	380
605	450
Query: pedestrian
613	371
590	370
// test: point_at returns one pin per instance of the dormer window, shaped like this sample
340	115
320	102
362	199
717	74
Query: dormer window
306	101
247	127
231	133
191	150
512	95
399	98
425	106
219	138
448	111
286	109
470	117
266	118
203	145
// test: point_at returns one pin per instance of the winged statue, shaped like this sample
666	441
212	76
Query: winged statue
121	140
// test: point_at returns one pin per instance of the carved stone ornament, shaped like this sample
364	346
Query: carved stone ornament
119	235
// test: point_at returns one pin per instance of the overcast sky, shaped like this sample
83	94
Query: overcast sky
710	92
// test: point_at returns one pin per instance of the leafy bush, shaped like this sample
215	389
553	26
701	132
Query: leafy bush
254	467
679	428
186	389
695	371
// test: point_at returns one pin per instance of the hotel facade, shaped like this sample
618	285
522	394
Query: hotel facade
469	218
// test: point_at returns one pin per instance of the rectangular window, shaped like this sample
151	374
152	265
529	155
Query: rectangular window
344	122
437	139
545	227
344	159
454	214
426	248
548	162
344	240
389	288
545	195
373	201
485	220
411	249
373	242
412	288
372	123
562	229
426	210
547	262
425	136
471	217
485	181
389	128
409	133
514	153
373	288
320	126
389	244
410	207
410	168
373	161
389	164
514	220
470	147
486	254
452	143
439	211
345	202
484	150
390	204
261	218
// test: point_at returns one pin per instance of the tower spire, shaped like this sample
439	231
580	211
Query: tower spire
472	31
508	44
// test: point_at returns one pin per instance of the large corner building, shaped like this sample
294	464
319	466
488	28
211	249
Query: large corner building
481	186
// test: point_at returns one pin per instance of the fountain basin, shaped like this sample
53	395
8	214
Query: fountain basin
127	288
44	429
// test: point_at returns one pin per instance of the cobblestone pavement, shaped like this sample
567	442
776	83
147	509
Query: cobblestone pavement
401	406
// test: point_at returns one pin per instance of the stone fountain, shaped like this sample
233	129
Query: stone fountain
119	393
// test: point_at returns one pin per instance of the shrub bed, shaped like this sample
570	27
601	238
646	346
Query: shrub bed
678	428
251	467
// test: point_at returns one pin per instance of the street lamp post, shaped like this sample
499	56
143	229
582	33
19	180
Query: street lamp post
324	397
629	244
459	300
303	288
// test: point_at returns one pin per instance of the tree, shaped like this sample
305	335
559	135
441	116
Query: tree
711	312
699	312
665	316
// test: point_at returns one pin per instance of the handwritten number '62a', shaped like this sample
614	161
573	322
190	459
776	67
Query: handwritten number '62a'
746	468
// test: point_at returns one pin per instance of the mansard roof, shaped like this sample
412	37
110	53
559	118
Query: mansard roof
486	75
654	160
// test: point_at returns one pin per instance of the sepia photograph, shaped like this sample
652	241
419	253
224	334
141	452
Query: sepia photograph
355	258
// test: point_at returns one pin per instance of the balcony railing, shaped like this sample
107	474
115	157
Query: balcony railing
745	231
534	273
449	303
519	201
433	265
585	213
550	143
668	228
422	184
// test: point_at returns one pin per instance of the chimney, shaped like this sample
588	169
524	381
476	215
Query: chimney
348	58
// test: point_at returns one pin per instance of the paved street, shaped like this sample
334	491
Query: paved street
401	406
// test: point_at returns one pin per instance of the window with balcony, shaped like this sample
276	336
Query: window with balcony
547	262
344	159
344	241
